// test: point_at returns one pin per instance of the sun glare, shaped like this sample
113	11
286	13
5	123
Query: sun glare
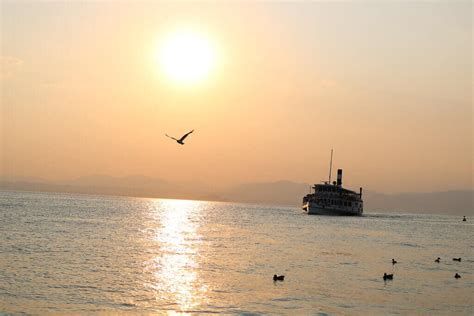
186	57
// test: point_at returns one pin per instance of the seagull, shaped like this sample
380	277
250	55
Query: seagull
437	260
181	140
457	276
457	259
394	261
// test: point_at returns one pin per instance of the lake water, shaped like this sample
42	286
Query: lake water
82	254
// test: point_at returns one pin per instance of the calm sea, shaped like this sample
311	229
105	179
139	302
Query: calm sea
80	254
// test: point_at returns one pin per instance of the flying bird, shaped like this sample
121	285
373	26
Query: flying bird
181	140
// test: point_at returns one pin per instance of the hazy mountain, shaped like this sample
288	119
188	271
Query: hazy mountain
100	184
447	202
10	178
136	185
276	193
119	182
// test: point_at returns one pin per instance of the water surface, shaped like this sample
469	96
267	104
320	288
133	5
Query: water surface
63	253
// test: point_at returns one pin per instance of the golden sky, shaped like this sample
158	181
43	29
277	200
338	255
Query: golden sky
387	85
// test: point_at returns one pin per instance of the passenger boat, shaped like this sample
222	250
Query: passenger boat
332	199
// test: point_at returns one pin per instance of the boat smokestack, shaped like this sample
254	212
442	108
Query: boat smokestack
339	177
360	192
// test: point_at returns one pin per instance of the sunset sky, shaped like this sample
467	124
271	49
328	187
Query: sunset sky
387	85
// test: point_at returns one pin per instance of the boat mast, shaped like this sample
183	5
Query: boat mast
330	168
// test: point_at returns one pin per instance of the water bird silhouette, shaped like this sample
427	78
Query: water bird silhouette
278	277
387	276
457	276
437	259
181	140
394	261
457	259
464	218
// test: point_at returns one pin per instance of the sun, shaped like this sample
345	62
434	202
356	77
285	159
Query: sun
186	57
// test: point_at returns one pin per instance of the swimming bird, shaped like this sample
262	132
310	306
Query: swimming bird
457	259
278	277
464	218
387	276
394	261
181	140
457	276
437	260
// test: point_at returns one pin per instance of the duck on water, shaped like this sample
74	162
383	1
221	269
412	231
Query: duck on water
387	276
278	277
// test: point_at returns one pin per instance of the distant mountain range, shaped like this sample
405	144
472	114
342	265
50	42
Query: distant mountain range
459	202
137	185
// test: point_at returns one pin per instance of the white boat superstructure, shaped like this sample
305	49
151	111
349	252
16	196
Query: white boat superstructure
333	199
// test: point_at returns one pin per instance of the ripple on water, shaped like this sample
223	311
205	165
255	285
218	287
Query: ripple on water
72	254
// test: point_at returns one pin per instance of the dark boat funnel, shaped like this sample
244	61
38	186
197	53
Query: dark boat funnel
339	177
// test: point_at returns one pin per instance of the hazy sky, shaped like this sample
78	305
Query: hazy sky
387	85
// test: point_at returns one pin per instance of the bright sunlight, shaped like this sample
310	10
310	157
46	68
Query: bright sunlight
186	57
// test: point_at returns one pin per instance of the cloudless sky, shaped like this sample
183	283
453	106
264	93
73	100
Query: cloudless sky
388	85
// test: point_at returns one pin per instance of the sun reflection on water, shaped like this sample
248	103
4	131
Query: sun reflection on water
176	265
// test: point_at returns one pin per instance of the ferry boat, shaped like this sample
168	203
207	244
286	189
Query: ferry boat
333	199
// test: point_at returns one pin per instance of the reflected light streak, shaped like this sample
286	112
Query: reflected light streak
175	274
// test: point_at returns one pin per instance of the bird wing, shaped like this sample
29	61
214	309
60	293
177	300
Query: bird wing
185	135
171	137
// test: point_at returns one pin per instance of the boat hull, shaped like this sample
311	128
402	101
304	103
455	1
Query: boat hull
312	209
